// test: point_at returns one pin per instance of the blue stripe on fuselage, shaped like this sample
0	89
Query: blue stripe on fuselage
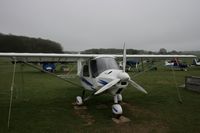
87	82
103	82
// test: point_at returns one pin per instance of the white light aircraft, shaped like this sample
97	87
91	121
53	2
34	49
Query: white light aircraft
196	62
176	64
98	73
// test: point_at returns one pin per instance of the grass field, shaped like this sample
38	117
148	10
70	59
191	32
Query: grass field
43	104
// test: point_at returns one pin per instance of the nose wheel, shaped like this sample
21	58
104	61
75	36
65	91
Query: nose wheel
117	110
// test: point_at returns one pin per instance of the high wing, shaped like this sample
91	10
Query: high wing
78	56
60	58
46	57
55	55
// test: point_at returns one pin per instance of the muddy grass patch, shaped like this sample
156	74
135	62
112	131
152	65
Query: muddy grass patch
143	120
82	112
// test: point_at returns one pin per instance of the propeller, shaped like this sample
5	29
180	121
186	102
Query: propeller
137	86
107	86
133	83
124	58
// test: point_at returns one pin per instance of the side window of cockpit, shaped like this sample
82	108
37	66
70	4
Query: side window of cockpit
85	71
93	65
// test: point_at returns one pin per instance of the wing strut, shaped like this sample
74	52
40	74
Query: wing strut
11	93
177	88
52	74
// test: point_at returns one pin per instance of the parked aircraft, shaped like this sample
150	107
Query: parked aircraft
176	64
130	64
98	73
196	62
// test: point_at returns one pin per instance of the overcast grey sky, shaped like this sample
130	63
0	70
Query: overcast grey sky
84	24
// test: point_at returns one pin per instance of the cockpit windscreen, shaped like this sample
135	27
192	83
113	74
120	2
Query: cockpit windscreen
99	65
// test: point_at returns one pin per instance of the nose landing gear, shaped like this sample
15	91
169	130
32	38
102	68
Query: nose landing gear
116	108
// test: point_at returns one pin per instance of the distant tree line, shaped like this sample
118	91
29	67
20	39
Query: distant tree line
12	43
128	51
164	51
113	51
21	44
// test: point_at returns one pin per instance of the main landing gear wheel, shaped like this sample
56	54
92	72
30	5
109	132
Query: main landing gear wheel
79	100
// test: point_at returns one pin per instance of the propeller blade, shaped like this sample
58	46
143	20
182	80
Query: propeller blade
124	58
107	86
138	87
